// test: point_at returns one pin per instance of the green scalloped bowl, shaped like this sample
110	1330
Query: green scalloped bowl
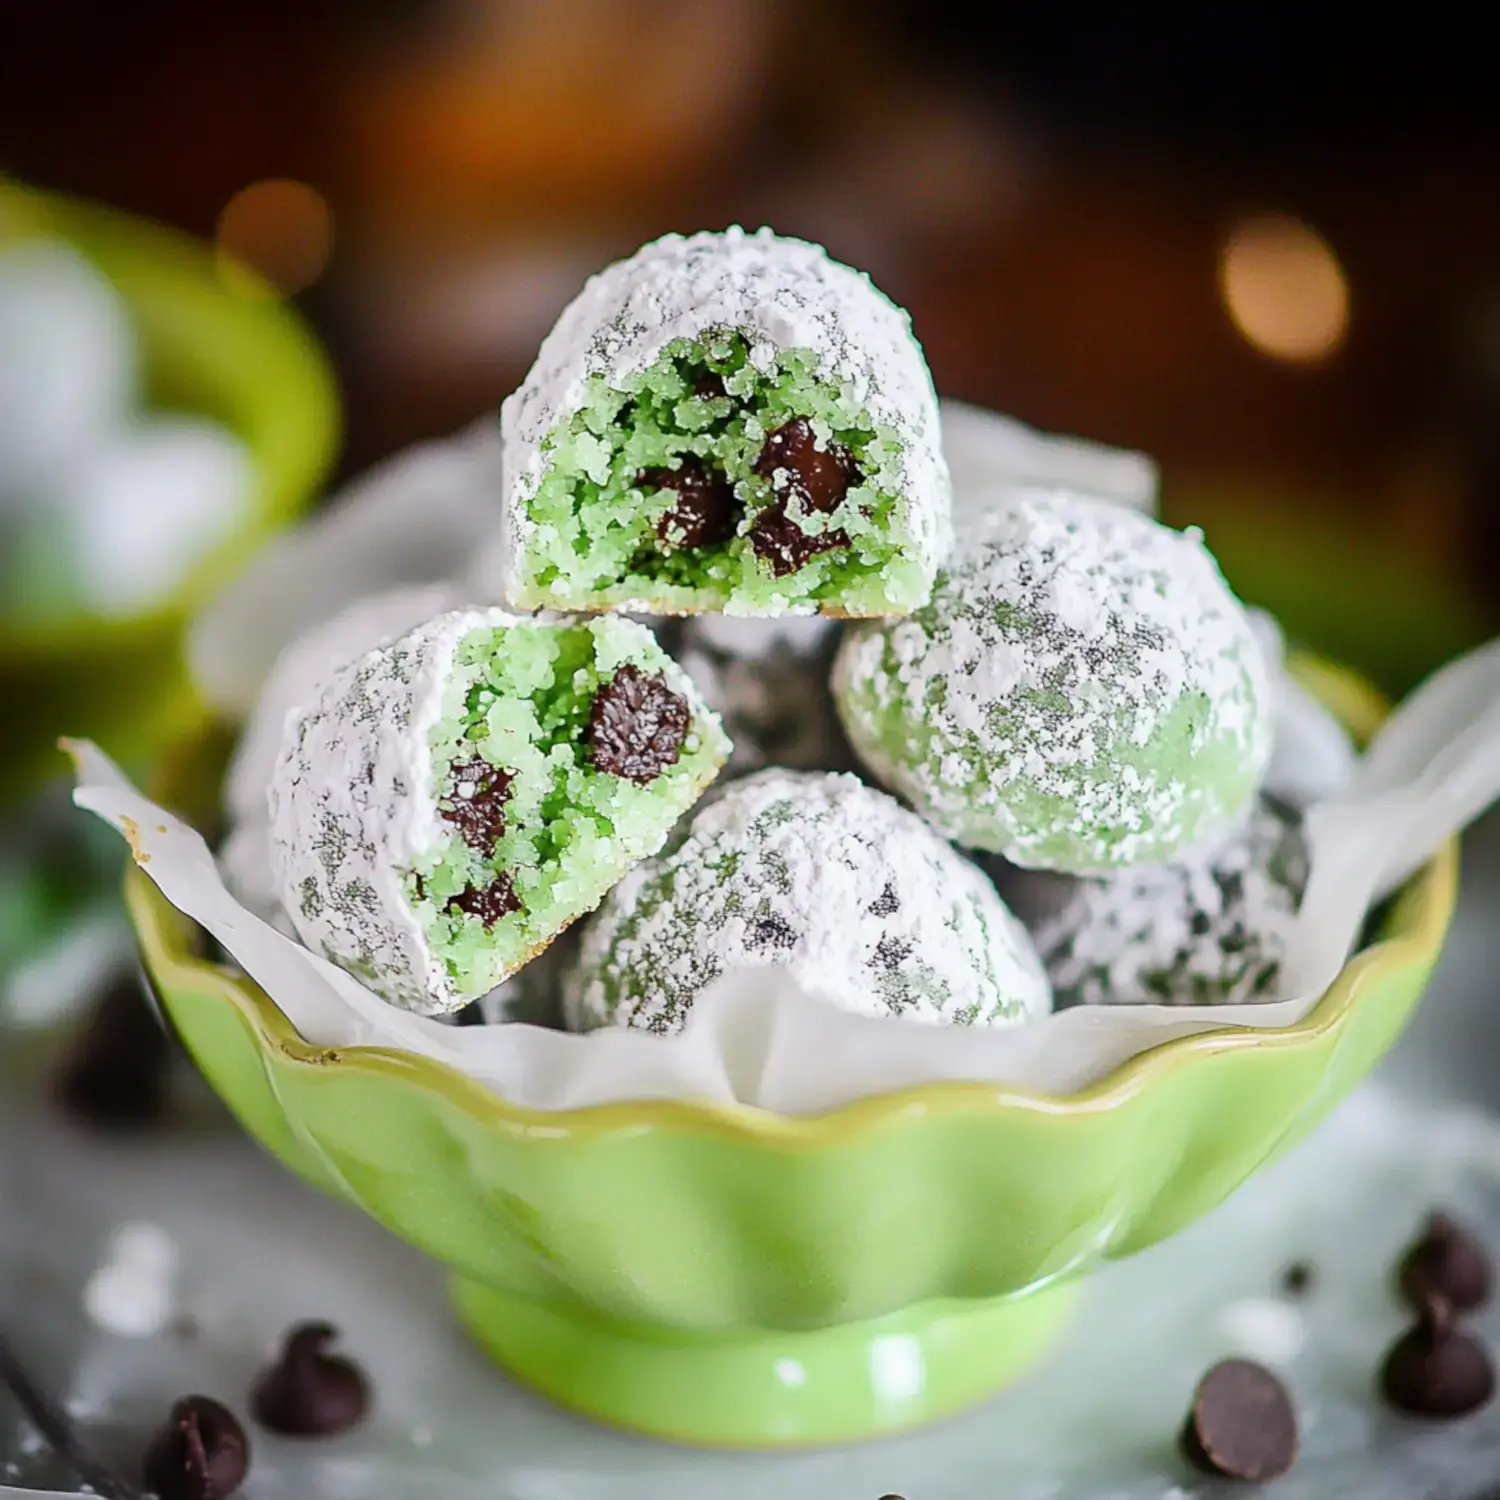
722	1276
241	357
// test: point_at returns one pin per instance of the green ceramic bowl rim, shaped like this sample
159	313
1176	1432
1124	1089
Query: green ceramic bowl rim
1420	918
312	438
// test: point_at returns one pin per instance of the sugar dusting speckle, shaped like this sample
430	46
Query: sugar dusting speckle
1206	930
822	873
1082	692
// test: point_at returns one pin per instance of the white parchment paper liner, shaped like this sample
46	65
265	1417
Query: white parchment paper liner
763	1037
416	518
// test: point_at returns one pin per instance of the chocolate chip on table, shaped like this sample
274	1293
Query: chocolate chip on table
201	1453
637	725
1242	1424
1435	1369
116	1073
706	510
309	1392
818	477
479	792
1446	1261
1297	1280
490	902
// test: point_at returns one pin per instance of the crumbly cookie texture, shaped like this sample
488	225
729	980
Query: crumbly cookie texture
818	872
1082	692
726	422
455	799
1207	931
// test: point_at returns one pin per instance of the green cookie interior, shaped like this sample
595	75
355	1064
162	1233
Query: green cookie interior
519	701
595	539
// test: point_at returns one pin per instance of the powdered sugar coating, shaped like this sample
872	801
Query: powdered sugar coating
304	668
1082	692
1210	931
354	807
781	295
298	676
822	873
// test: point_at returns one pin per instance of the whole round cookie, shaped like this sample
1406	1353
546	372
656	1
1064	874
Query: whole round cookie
819	872
1082	692
1204	931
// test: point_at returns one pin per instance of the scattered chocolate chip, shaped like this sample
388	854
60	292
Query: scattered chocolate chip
818	477
489	903
1445	1261
708	385
706	511
886	904
476	802
309	1392
200	1454
116	1073
1242	1424
1297	1280
637	725
1435	1369
770	932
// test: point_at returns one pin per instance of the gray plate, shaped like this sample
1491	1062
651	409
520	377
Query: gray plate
1097	1423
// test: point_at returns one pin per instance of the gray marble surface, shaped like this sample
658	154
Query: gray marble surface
257	1251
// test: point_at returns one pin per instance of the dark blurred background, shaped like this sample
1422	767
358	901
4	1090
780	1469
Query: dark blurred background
1266	251
1263	248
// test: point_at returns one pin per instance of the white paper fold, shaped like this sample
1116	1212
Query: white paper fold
763	1038
414	519
989	453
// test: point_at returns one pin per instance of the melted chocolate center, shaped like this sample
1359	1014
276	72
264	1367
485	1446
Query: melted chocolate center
818	477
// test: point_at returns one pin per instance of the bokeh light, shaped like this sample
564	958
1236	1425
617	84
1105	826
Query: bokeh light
281	230
1284	288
